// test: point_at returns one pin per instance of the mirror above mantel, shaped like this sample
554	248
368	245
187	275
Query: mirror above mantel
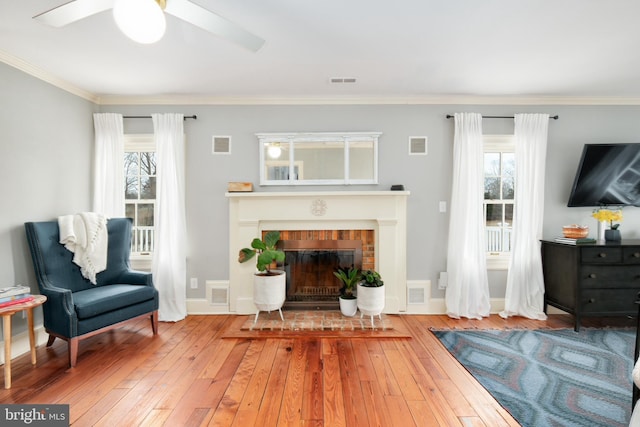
318	158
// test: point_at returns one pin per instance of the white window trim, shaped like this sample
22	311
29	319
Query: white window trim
502	143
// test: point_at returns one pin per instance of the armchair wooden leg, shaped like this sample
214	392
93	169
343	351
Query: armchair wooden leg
154	322
50	341
73	352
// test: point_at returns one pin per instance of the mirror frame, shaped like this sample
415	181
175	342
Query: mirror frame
298	138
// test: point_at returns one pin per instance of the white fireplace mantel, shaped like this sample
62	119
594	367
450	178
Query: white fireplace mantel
385	212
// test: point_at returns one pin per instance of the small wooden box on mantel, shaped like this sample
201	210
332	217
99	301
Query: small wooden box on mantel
236	187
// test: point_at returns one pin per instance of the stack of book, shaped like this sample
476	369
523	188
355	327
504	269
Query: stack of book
12	295
569	241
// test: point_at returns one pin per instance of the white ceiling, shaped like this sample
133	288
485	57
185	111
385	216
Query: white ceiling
399	51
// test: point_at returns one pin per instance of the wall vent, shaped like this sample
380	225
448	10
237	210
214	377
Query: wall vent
217	293
418	145
221	145
416	295
338	80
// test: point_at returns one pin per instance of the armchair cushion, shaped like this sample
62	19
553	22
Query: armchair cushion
103	299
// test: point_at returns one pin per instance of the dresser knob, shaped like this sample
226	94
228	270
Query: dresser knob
592	300
636	254
602	255
592	276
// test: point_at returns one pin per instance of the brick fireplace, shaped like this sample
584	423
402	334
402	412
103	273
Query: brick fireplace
374	219
311	258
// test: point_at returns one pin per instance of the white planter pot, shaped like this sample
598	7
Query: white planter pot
370	300
269	292
348	307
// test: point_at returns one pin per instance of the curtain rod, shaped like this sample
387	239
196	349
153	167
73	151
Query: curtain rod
556	117
194	117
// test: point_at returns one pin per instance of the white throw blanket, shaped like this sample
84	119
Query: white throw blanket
85	234
635	415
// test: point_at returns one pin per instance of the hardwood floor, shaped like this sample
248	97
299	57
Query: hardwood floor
189	375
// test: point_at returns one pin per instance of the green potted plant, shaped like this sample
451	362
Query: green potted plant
269	285
349	278
371	294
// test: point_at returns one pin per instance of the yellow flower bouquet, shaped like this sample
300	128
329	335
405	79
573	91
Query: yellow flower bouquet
609	215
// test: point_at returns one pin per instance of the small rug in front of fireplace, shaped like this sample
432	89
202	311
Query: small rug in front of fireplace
321	323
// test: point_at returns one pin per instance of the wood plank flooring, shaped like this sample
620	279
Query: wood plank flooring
189	375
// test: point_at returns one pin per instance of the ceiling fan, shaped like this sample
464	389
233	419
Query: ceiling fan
184	9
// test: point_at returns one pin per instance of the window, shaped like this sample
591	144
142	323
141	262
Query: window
499	192
318	158
140	192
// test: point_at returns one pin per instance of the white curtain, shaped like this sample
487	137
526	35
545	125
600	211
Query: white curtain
169	266
108	176
467	293
525	284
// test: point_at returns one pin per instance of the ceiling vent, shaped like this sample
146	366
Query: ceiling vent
338	80
221	145
418	145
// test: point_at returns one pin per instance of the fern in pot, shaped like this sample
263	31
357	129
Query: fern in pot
269	285
349	278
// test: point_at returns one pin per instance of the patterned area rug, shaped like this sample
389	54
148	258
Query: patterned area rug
552	377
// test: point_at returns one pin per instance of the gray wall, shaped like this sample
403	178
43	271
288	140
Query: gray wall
46	152
428	178
47	135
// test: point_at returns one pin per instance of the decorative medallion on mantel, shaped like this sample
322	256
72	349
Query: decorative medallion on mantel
318	207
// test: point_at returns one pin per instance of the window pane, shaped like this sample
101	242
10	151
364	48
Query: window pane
492	188
130	164
148	187
147	163
508	189
508	175
145	214
130	211
494	214
508	214
131	187
492	164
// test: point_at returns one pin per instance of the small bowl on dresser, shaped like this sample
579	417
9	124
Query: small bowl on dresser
575	231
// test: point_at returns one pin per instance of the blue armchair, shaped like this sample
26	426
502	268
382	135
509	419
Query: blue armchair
75	308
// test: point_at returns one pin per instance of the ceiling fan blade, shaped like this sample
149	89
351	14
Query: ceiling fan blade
214	23
73	11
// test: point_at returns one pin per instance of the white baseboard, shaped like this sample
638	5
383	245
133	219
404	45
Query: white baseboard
20	342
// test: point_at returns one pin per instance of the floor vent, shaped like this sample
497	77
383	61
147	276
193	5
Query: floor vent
416	295
218	293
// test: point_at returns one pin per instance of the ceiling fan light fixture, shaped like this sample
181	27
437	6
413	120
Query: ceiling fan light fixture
143	21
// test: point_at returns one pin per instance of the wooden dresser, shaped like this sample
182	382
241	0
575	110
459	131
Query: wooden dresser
601	279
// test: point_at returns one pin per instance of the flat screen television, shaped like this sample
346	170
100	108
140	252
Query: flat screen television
608	174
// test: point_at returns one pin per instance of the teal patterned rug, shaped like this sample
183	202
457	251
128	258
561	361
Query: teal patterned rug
552	377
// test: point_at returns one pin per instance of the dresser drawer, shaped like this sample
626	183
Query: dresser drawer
601	255
631	255
609	301
605	276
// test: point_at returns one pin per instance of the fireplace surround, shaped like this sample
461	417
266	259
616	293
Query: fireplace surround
381	212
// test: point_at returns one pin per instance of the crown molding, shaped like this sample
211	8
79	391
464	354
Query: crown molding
311	100
453	99
45	76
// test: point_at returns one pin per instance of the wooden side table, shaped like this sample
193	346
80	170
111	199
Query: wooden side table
6	313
